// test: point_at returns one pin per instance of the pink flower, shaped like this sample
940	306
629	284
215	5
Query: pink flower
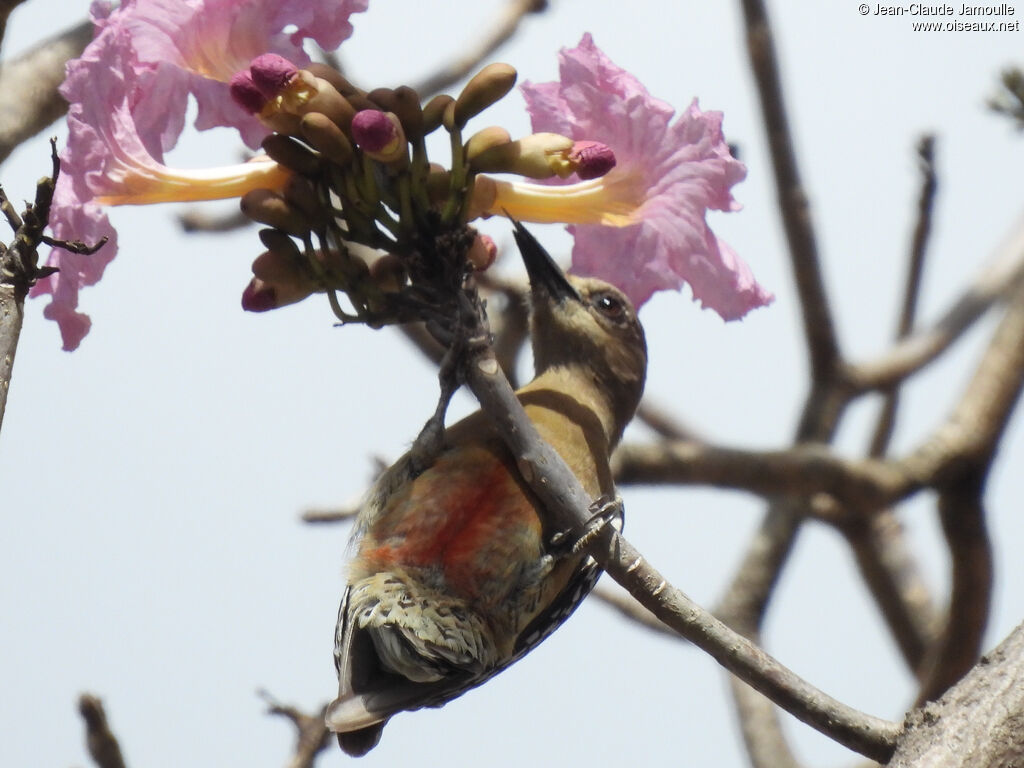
184	47
128	93
642	226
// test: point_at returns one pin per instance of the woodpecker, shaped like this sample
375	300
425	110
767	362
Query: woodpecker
454	576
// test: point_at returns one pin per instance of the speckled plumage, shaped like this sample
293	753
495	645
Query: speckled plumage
453	578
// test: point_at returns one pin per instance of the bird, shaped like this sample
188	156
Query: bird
453	574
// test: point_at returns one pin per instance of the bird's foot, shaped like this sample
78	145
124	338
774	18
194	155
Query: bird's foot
607	509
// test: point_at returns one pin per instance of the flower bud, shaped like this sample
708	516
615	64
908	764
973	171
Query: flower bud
481	201
389	273
433	113
335	78
325	136
277	241
379	134
410	113
259	297
300	193
271	209
272	74
481	141
487	86
482	252
537	156
291	154
592	159
245	93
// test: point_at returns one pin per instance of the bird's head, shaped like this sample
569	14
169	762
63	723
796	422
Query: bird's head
587	325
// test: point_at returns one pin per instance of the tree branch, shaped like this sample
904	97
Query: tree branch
568	508
878	543
630	609
912	285
6	6
979	722
994	284
894	581
963	522
312	736
798	472
796	216
99	739
29	100
504	27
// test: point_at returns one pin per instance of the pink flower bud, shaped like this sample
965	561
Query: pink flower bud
379	134
258	296
245	93
483	252
592	159
272	73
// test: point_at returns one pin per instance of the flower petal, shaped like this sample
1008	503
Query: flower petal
681	170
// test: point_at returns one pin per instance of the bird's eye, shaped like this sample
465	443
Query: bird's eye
609	306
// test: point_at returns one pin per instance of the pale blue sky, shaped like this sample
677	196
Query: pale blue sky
152	479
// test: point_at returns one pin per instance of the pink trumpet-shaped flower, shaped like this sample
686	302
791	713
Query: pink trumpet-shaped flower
642	225
128	95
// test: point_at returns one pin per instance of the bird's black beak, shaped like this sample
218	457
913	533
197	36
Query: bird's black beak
545	274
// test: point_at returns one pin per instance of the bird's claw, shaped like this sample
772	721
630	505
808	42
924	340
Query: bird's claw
604	510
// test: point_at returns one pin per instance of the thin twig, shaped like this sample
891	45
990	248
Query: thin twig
423	341
991	286
312	735
29	100
819	330
99	739
970	434
895	581
885	562
336	515
201	220
663	423
912	286
629	608
504	27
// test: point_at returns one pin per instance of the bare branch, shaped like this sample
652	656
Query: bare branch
312	735
632	610
963	522
761	729
745	602
978	721
895	581
423	341
969	436
504	27
801	471
886	564
993	285
796	216
912	287
200	220
6	6
336	515
99	739
29	100
569	508
663	423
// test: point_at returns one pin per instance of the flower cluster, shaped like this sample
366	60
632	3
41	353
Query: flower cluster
344	184
128	93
